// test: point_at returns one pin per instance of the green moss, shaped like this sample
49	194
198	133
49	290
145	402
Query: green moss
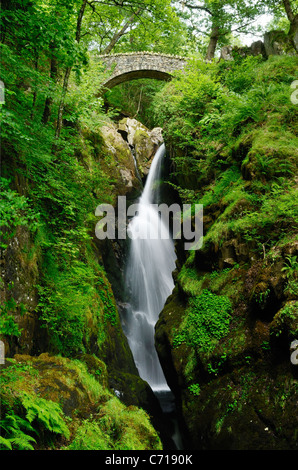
116	428
190	280
286	321
272	154
67	393
206	322
276	207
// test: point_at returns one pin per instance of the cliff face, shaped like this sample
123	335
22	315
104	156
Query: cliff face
57	298
238	389
225	335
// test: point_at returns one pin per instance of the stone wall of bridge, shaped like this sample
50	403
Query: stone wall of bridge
130	66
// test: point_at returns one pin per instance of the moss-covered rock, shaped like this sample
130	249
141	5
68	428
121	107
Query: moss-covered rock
143	142
20	262
47	401
252	408
117	162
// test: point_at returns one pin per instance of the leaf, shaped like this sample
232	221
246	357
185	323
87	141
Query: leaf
5	442
23	442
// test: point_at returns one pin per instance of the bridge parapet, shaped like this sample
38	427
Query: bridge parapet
134	65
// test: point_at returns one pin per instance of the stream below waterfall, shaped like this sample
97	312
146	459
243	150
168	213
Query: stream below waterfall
149	282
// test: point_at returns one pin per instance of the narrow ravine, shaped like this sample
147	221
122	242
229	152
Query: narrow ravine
149	282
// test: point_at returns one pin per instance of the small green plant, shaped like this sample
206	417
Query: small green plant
207	321
291	272
291	269
8	325
262	296
15	210
265	346
194	389
217	363
46	412
286	320
33	415
14	433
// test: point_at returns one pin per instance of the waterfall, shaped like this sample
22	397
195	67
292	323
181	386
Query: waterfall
151	261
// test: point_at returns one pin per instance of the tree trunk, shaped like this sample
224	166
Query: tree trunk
289	11
35	92
61	105
48	103
120	33
79	21
212	43
68	71
293	33
293	19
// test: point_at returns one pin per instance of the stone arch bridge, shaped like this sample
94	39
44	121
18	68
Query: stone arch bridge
131	66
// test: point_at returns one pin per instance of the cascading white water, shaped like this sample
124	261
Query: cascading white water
151	262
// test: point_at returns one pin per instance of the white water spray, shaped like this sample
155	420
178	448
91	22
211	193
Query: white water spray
150	265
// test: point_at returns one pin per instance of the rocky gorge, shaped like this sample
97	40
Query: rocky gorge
227	333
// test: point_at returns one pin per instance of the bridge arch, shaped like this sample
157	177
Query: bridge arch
132	66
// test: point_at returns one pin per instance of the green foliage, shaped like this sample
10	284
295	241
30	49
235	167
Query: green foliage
74	303
116	428
129	429
13	436
291	272
286	321
218	20
46	413
33	415
189	280
239	79
227	115
90	436
216	126
8	326
194	389
221	187
63	179
190	94
135	99
15	210
206	323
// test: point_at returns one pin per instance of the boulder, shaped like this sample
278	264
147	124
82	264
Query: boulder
142	141
278	43
258	48
118	160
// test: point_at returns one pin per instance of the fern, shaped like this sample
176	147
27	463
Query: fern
5	443
22	441
15	437
47	412
16	430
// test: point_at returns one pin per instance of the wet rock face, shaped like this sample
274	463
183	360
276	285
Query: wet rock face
142	141
127	153
251	409
18	295
118	160
242	394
